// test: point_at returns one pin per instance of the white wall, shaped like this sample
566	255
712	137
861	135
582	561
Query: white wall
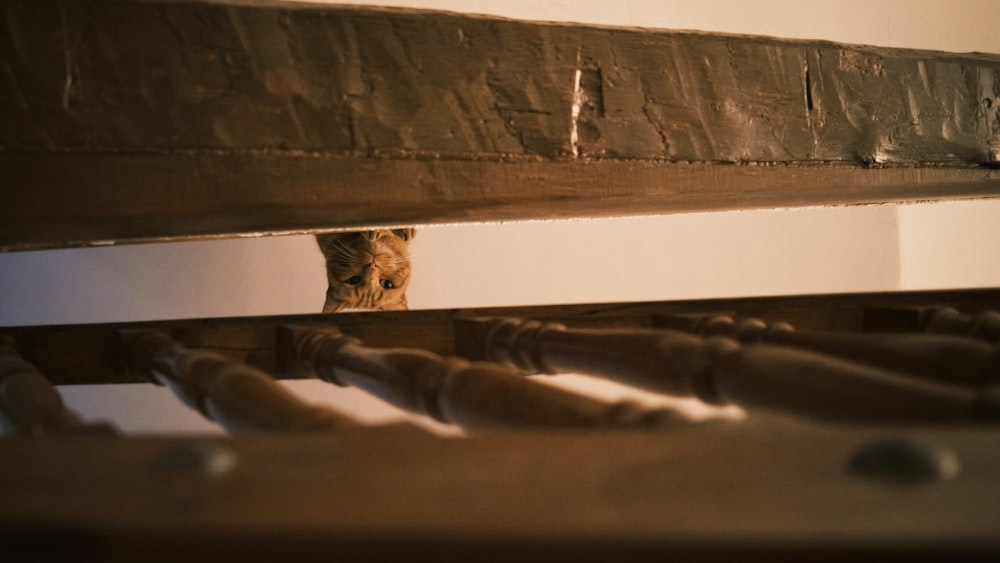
688	256
953	244
219	278
716	254
956	25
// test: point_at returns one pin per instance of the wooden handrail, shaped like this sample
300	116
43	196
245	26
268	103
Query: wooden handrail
941	357
264	134
237	396
719	370
30	405
471	394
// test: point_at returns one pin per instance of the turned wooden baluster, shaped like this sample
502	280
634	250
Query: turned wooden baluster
237	396
935	320
944	358
29	404
452	390
945	320
719	370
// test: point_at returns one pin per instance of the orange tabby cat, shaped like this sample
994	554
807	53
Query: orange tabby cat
366	270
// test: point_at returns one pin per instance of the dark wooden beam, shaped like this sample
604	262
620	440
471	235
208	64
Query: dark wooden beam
62	199
130	121
203	75
748	491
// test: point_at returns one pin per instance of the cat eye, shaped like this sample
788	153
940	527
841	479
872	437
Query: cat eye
387	284
354	280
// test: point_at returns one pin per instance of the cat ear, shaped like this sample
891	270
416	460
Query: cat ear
405	234
324	240
328	241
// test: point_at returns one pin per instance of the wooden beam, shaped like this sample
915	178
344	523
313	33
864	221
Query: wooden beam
94	354
774	492
172	75
76	199
160	120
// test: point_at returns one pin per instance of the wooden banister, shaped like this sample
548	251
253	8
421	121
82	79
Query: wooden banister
719	370
29	404
237	396
473	395
982	324
946	320
89	354
942	357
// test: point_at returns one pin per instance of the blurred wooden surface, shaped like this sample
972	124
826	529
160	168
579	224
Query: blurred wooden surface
29	404
750	491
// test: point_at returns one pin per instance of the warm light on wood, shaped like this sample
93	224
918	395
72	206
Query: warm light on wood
719	370
941	357
473	395
237	396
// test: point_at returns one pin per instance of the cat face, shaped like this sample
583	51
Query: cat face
366	270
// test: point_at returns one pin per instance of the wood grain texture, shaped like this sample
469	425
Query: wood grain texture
156	120
748	491
178	75
65	199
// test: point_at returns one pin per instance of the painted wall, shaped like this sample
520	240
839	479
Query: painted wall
818	250
949	244
740	253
